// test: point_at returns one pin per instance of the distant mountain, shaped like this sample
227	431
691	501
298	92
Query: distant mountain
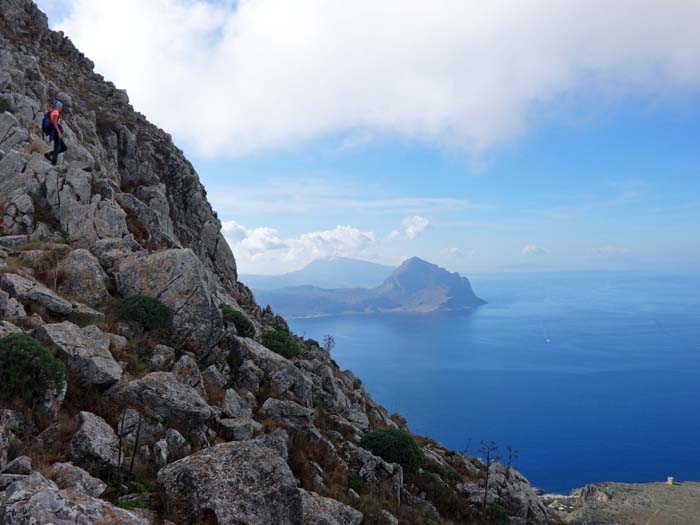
415	286
332	272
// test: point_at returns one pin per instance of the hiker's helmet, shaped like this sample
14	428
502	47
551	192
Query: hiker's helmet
58	104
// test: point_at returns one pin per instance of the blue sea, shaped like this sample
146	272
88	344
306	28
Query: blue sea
591	377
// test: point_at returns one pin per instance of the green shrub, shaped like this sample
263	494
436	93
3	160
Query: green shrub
281	342
243	326
394	446
5	105
27	368
149	312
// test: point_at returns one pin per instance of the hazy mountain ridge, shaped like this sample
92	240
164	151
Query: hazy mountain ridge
415	286
331	272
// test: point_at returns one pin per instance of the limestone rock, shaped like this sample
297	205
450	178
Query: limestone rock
111	249
162	357
36	500
288	412
284	379
233	405
83	278
154	227
326	511
213	376
186	371
521	498
179	279
233	483
374	469
7	328
85	351
21	466
161	395
29	291
10	307
94	446
132	423
238	429
68	476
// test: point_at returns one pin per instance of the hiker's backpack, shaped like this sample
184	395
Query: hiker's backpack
46	126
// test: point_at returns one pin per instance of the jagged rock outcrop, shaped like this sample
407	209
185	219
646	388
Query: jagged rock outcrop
237	482
124	213
261	366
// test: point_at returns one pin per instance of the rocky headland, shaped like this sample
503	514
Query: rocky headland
415	286
141	382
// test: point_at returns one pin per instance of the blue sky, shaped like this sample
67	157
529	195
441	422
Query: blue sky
489	160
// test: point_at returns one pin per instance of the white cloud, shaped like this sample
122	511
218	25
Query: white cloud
533	249
414	225
393	235
239	76
263	246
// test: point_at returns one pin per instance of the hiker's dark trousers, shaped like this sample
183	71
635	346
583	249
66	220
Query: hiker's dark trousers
58	147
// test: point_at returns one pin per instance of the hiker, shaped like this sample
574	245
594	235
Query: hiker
55	132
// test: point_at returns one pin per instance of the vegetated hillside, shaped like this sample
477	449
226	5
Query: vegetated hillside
139	381
331	272
415	286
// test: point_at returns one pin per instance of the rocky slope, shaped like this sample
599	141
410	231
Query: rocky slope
415	286
195	424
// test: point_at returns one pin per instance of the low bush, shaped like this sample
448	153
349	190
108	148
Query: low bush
27	368
149	312
243	326
394	446
281	342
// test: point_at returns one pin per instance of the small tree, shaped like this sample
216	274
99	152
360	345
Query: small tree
489	451
328	343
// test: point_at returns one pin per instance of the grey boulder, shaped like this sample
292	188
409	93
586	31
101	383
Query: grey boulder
85	351
36	500
68	476
28	291
161	395
83	277
326	511
94	446
179	279
233	483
